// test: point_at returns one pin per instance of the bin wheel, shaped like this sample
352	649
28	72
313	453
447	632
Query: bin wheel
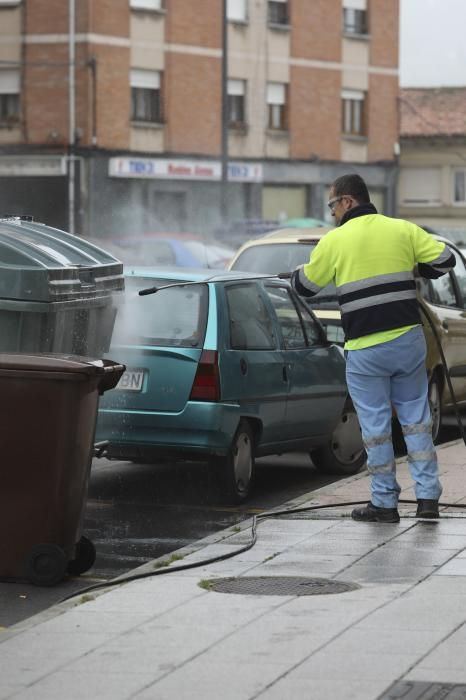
46	565
85	557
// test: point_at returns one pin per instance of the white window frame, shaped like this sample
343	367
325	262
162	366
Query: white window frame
10	95
353	113
236	87
286	12
150	5
237	10
456	173
148	81
355	4
277	106
420	186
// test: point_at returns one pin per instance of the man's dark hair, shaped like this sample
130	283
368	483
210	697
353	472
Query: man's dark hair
352	185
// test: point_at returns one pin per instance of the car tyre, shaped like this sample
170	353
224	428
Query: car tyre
435	401
237	468
344	453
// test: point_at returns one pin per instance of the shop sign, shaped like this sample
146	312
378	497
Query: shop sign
32	166
182	169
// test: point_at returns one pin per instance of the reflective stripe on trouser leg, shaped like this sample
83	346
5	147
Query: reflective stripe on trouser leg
410	400
371	398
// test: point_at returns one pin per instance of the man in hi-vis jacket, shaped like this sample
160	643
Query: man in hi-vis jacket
371	259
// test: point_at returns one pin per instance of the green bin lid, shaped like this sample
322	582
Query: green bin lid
41	263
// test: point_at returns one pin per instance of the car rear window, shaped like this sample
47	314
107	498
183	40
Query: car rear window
280	257
172	317
274	258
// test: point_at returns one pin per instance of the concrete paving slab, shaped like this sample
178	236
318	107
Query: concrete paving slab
72	686
324	689
165	636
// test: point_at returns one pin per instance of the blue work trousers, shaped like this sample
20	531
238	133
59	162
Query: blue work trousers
386	375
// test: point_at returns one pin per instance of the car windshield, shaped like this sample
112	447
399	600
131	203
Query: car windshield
455	235
171	317
280	257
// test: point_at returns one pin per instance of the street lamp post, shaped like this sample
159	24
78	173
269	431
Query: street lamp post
224	182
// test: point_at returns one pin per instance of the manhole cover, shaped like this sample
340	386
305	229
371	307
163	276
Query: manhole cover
422	690
278	585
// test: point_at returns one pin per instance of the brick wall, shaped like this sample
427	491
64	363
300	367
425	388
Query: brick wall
196	23
383	27
316	29
46	16
193	104
315	113
45	94
383	116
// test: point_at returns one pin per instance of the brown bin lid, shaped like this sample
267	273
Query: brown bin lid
50	362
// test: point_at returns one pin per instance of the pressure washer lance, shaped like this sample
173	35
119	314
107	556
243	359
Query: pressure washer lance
455	372
217	278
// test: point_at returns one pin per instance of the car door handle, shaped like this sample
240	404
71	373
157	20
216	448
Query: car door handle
285	373
243	365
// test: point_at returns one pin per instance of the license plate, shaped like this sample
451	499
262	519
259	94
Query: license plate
131	380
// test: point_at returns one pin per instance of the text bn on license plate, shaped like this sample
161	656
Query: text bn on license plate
131	380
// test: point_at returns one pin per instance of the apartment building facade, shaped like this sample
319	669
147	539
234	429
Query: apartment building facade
111	110
432	179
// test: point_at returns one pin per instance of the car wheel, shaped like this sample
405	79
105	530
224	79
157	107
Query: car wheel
435	401
237	468
344	453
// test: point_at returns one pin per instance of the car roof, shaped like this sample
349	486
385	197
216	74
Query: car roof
291	235
190	274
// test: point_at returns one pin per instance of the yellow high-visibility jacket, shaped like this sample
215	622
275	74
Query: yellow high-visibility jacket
371	260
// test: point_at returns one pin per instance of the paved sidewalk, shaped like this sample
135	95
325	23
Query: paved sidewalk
170	638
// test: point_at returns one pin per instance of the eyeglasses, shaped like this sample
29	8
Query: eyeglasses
331	203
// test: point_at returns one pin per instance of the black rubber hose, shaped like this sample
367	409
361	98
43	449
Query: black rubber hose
229	555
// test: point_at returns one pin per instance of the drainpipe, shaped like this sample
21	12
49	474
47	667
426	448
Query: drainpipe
72	113
224	117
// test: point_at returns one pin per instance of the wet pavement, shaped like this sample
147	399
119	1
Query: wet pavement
136	513
356	611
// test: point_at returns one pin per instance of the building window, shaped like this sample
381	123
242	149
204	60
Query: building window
353	113
146	97
278	12
277	105
9	3
354	21
459	196
9	96
237	10
157	5
420	187
236	103
355	17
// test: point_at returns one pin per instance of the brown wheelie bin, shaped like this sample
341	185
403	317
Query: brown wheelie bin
48	412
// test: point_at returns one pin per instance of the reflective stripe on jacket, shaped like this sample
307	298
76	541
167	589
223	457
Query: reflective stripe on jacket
371	259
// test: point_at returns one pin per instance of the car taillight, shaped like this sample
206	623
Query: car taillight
206	386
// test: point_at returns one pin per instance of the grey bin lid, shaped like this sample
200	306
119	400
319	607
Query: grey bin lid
43	264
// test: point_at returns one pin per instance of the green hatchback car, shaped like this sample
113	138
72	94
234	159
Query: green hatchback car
224	367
